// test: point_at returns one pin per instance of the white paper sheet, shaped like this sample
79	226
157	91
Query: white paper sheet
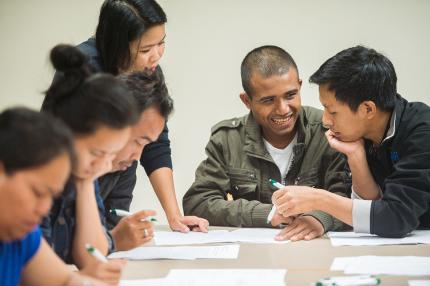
355	239
256	235
228	277
340	263
390	265
215	277
419	283
192	237
179	252
145	282
249	235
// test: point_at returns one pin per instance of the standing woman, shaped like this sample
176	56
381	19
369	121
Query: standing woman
99	110
130	37
36	157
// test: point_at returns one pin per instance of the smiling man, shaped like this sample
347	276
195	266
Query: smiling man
386	140
279	139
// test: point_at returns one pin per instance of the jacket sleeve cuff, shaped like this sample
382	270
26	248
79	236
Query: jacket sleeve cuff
259	215
325	219
111	241
361	215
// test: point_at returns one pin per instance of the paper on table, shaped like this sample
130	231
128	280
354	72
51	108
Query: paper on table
179	252
390	265
419	282
250	235
215	277
340	263
354	239
256	235
227	277
192	237
145	282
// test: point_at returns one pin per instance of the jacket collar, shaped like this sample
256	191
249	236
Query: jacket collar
399	106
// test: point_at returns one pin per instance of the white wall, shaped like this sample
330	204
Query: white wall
206	41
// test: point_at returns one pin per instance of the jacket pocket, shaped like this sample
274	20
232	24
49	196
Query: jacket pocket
309	178
243	183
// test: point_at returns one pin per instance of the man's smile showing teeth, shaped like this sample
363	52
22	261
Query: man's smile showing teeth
281	121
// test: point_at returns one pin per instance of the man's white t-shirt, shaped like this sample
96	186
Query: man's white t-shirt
282	157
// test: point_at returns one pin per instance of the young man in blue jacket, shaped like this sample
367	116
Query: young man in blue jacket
386	141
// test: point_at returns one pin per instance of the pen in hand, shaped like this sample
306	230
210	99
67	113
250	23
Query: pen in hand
273	210
96	253
123	213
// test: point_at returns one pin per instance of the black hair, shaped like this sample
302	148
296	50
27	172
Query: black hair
30	139
359	74
266	61
86	101
149	90
121	22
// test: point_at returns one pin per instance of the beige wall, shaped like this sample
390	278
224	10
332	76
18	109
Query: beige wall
206	42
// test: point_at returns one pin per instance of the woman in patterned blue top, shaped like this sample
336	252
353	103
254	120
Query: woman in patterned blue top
36	155
99	110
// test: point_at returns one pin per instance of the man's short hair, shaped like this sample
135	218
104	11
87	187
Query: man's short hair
266	61
149	90
359	74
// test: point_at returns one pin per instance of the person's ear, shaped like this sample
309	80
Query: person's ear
2	173
246	99
300	83
368	109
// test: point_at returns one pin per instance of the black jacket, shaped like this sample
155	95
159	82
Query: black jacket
401	167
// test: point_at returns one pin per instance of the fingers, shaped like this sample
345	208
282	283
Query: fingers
141	225
115	265
181	227
109	272
286	209
277	195
141	215
304	227
295	231
277	219
311	235
202	225
195	223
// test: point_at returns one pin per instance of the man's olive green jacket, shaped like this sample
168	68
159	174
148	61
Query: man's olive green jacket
239	164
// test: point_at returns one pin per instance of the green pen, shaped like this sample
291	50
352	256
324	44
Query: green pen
124	213
95	252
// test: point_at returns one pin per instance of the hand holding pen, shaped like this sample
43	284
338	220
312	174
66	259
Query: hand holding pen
296	200
273	210
108	271
134	229
124	213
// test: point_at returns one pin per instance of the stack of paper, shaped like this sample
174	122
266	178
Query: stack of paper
179	252
390	265
355	239
215	277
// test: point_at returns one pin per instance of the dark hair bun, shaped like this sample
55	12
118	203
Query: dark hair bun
67	57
